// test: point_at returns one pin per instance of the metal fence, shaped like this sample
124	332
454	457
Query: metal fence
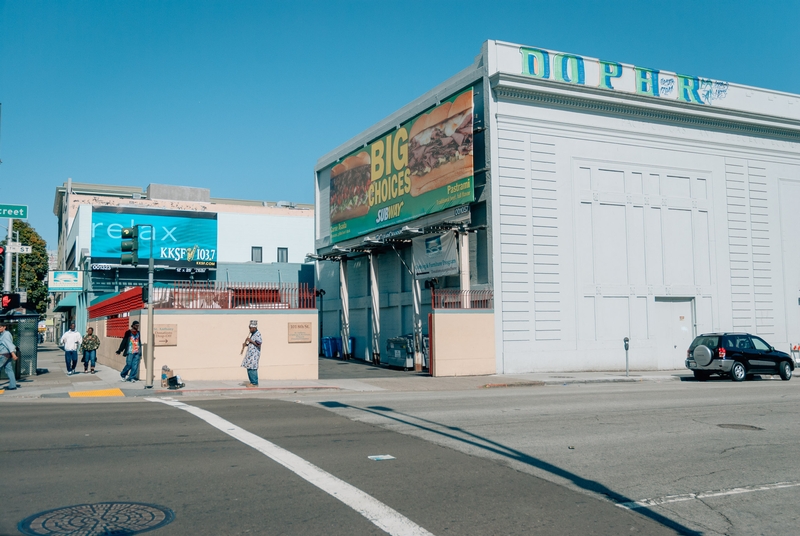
462	299
25	331
222	295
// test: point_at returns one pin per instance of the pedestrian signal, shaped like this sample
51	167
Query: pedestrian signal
10	301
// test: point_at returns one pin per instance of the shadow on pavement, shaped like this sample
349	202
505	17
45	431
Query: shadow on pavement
336	369
513	454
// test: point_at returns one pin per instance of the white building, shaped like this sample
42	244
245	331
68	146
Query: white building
234	240
609	201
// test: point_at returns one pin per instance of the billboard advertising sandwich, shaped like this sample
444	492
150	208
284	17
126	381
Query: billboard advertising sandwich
422	167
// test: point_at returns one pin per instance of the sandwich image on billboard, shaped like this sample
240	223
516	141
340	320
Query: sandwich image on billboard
349	188
422	167
441	146
435	256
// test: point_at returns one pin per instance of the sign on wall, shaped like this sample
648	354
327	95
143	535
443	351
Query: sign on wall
180	238
422	167
65	281
165	334
300	332
614	76
435	256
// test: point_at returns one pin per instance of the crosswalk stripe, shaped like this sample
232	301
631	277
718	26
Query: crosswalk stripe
384	517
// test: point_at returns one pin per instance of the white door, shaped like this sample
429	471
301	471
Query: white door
674	331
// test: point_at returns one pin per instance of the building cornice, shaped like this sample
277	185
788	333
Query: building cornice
587	99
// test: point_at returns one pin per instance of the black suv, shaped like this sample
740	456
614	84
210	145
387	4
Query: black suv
737	355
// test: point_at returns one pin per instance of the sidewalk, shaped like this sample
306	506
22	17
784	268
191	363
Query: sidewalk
107	383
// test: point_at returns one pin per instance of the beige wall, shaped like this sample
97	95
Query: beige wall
463	343
209	344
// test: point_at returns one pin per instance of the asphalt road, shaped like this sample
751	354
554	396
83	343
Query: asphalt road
709	454
73	452
526	460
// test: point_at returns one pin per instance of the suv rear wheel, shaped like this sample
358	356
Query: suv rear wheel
785	370
738	372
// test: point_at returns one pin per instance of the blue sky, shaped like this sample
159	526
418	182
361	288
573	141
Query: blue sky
244	97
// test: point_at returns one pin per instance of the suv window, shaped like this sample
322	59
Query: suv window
707	340
738	342
760	344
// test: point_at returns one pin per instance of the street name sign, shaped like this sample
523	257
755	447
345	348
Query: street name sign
16	247
18	212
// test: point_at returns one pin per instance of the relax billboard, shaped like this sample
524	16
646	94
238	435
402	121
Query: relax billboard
180	238
422	167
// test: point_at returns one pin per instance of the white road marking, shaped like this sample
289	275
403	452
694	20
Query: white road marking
384	517
644	503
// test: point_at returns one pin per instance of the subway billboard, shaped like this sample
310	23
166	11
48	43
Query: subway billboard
181	238
420	168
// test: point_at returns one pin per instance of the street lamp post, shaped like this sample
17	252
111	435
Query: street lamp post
16	263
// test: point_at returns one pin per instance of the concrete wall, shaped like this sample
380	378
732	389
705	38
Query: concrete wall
463	343
209	344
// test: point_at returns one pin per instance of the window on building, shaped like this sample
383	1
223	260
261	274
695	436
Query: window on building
283	254
255	254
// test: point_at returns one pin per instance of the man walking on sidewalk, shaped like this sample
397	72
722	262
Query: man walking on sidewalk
131	348
8	356
71	341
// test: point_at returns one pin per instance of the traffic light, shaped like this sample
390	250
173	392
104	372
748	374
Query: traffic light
130	243
10	301
2	260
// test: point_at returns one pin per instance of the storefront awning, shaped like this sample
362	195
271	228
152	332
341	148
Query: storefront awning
70	301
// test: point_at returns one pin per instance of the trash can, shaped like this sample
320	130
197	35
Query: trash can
340	348
328	347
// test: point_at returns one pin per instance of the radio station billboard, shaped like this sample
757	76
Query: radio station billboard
180	238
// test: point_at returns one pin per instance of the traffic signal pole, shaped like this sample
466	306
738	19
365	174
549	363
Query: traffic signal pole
130	255
7	274
151	338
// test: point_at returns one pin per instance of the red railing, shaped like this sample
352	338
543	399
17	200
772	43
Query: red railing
221	295
462	299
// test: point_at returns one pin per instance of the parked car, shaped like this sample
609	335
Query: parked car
737	355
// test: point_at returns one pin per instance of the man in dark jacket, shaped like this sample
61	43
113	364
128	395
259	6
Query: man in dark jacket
131	348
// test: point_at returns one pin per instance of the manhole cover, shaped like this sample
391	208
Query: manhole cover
106	519
739	427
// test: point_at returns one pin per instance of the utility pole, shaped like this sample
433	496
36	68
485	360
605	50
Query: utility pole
16	263
7	274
